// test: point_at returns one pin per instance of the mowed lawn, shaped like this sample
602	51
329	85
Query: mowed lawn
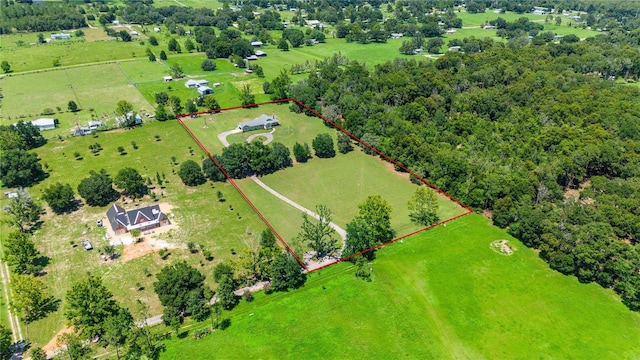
97	87
343	182
293	127
199	216
442	294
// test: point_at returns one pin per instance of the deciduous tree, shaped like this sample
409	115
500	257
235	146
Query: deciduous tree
286	273
246	97
88	305
31	299
323	146
60	198
72	106
423	206
97	189
20	168
123	107
344	143
180	288
21	253
131	182
5	343
24	212
302	153
191	174
319	235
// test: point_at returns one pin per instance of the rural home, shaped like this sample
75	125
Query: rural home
94	125
167	78
256	43
44	123
142	219
396	35
80	131
261	53
196	83
205	90
261	122
60	36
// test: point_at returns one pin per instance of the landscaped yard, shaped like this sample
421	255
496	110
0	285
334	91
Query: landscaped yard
441	294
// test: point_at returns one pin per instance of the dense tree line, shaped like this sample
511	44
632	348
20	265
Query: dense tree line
16	16
510	130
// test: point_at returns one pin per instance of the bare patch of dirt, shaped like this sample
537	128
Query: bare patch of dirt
502	247
391	167
147	246
575	193
52	345
487	213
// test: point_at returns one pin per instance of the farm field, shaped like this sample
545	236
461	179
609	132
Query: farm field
440	294
101	91
196	212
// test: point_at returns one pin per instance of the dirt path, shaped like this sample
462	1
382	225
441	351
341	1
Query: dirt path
13	319
338	229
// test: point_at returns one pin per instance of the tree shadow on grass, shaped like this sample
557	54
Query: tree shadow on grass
225	323
183	334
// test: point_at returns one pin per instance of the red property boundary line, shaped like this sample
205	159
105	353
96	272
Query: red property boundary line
333	124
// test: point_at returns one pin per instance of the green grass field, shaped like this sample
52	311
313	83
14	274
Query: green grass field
101	91
343	182
442	294
340	183
199	216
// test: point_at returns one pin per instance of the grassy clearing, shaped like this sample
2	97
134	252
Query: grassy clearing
198	214
101	91
482	18
441	294
343	182
294	127
209	4
36	57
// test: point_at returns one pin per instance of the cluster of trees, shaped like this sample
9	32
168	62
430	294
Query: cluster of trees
255	158
371	227
550	107
264	261
97	189
21	16
242	160
18	166
96	316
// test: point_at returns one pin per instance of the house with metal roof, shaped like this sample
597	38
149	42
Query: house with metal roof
44	123
142	219
196	83
205	90
261	122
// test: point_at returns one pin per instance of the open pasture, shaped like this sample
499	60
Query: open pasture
197	213
441	294
100	91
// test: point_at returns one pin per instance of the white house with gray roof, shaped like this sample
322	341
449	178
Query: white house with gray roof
261	122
